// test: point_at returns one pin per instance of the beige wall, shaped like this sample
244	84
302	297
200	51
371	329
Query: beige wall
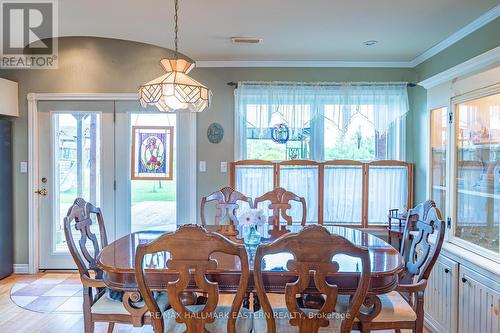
95	65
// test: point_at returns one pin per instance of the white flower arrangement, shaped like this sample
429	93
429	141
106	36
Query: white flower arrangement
252	217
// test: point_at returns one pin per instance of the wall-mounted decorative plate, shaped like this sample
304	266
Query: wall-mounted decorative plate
215	133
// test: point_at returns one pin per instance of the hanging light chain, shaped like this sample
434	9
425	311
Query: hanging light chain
176	29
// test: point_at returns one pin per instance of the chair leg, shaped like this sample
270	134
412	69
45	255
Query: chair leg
419	324
397	330
88	326
110	327
419	328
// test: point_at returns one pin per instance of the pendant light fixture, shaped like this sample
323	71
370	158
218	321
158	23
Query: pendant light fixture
175	90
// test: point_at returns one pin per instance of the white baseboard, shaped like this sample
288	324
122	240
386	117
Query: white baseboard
21	269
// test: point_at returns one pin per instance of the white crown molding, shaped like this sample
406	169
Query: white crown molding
300	63
479	62
478	23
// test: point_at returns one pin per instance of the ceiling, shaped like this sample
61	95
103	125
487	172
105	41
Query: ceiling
314	30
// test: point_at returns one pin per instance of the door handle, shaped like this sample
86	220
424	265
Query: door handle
42	192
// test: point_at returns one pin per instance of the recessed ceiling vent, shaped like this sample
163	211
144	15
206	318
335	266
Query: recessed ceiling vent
246	40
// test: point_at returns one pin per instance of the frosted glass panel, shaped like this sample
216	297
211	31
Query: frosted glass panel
303	181
388	189
343	194
254	180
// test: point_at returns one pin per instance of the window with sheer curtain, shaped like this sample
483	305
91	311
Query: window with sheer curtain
325	121
357	121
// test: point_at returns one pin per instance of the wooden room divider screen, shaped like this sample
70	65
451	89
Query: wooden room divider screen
342	192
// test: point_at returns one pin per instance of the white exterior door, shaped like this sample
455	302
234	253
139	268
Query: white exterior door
76	149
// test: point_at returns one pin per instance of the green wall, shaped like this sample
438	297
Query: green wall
417	140
480	41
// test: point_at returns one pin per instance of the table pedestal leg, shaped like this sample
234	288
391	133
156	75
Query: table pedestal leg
246	301
256	303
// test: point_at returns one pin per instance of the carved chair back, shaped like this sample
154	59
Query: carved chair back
192	267
227	205
280	203
80	217
313	249
422	242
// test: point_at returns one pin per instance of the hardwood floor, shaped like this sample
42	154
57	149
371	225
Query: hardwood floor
18	320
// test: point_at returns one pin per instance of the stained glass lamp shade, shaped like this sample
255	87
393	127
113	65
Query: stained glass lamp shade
175	90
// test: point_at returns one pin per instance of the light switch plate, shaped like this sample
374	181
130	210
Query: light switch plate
223	167
23	167
203	166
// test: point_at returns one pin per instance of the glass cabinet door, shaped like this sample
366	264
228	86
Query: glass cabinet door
439	121
477	172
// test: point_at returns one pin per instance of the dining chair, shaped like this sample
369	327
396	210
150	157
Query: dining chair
97	306
280	202
422	242
314	250
227	204
189	254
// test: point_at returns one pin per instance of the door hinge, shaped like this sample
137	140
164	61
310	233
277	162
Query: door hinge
448	222
450	117
114	117
114	185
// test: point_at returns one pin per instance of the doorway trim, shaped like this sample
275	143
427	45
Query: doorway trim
189	157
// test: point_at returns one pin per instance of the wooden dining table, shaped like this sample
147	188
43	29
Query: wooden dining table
117	262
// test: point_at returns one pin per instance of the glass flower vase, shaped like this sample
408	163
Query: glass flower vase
251	236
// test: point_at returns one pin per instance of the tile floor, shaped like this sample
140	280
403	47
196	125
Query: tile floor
51	292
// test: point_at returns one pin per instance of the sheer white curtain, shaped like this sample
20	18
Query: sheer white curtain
343	189
388	189
253	181
303	181
299	105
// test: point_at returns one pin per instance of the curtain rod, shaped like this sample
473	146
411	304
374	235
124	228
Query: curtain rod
411	85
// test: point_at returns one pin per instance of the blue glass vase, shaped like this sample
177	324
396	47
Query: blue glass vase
251	236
